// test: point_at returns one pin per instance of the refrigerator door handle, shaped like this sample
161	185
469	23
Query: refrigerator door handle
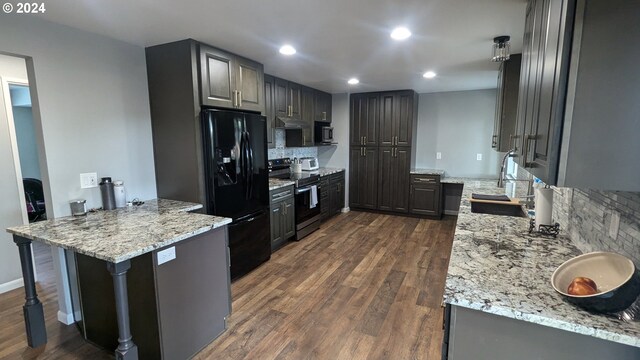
250	153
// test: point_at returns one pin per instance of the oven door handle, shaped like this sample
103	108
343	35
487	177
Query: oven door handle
303	190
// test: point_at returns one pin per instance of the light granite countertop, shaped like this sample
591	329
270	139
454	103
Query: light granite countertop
324	171
498	268
421	171
275	184
122	234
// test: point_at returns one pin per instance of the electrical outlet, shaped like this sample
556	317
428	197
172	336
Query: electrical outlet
438	155
88	180
166	255
478	157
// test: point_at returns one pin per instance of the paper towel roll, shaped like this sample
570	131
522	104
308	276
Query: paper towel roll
543	207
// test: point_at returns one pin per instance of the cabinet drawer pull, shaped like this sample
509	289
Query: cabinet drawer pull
425	180
282	194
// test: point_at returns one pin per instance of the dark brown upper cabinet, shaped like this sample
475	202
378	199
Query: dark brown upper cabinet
504	125
288	99
405	122
365	114
323	106
269	109
230	81
397	110
307	114
296	104
577	108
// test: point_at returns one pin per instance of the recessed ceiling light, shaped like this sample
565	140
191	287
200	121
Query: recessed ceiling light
400	33
287	50
353	81
429	75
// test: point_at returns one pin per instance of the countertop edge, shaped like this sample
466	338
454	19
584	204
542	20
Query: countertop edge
545	321
221	221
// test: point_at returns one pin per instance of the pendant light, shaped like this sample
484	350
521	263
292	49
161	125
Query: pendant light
501	48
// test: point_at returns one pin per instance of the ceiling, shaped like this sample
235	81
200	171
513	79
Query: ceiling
335	39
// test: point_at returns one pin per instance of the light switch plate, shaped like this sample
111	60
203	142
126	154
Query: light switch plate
166	255
438	155
88	180
479	157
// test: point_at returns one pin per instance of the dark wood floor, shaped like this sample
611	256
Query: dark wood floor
365	286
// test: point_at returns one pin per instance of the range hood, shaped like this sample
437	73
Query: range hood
290	123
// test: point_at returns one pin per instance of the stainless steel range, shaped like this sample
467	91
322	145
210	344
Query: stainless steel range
307	195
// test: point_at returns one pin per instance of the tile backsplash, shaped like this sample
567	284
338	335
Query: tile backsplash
600	220
280	151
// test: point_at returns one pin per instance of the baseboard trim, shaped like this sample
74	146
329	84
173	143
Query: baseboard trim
11	285
345	209
450	212
65	318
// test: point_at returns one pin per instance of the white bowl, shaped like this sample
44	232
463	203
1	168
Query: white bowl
613	275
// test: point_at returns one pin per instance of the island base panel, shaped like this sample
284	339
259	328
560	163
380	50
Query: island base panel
474	334
32	309
176	308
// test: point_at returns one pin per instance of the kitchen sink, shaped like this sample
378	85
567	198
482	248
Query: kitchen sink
507	209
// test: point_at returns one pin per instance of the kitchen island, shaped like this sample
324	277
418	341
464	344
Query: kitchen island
178	262
500	302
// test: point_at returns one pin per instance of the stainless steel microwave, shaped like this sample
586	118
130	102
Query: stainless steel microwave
323	133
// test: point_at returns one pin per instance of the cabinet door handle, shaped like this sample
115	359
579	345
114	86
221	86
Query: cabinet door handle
235	98
526	150
511	142
239	98
324	115
365	140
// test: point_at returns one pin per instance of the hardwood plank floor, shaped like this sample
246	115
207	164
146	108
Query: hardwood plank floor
365	286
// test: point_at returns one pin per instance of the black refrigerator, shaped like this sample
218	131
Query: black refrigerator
237	183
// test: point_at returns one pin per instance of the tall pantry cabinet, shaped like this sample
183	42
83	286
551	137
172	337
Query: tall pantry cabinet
382	148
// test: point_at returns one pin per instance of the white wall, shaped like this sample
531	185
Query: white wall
91	114
459	125
93	103
10	198
338	156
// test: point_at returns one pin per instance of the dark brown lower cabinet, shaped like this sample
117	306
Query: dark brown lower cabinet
424	196
331	194
393	193
363	177
283	221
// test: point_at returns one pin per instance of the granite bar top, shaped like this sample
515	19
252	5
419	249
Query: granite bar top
498	268
419	171
275	184
324	171
122	234
452	180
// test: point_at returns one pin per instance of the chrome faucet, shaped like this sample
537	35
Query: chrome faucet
503	169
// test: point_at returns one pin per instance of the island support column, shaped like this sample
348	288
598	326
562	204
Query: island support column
33	312
126	350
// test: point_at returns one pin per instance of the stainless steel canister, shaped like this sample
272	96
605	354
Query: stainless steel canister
78	207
